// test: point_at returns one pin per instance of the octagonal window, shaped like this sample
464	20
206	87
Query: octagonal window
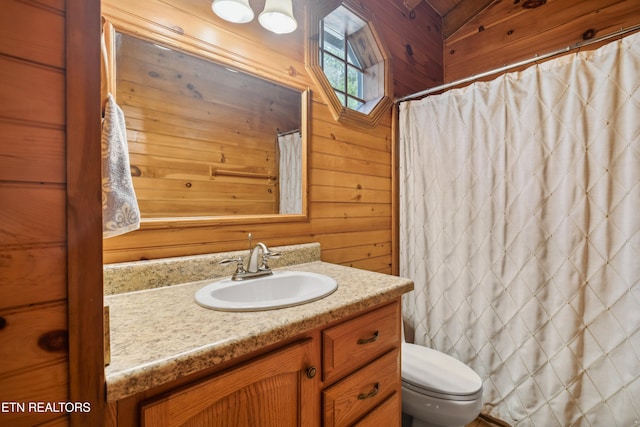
349	63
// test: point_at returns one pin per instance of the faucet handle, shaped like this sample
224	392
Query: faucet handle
265	259
239	264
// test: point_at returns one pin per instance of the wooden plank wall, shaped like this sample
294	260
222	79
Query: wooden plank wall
202	138
33	287
350	192
506	33
50	268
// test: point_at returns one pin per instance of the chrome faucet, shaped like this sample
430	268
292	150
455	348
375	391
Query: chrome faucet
254	268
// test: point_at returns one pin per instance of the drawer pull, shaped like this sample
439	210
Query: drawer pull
371	393
371	339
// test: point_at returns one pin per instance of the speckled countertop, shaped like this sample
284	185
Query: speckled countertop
161	334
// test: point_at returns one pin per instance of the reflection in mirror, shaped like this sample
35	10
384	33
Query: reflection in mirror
204	139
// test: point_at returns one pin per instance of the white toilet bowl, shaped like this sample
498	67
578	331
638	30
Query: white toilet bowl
438	390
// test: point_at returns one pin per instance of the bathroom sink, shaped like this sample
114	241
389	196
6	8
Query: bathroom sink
282	289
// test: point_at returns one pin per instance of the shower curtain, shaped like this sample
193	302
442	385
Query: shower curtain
290	146
520	226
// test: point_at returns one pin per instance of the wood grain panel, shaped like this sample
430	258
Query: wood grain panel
84	211
37	214
349	179
325	126
32	154
229	398
329	210
387	413
506	33
32	275
414	41
341	194
378	264
334	225
359	252
37	336
33	289
37	31
461	14
346	149
62	421
358	165
44	383
27	77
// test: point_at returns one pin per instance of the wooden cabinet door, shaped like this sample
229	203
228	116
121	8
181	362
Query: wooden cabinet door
272	390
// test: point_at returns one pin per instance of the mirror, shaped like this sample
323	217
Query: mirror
206	140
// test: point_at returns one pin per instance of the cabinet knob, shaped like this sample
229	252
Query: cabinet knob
311	371
370	339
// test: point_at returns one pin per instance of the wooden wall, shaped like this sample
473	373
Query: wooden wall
38	340
202	138
350	192
506	33
33	289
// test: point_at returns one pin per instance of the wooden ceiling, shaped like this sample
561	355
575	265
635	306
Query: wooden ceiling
454	13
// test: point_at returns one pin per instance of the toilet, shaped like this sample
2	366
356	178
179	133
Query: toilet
437	389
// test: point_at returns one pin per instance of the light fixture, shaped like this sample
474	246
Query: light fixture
236	11
277	16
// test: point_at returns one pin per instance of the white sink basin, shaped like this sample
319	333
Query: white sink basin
282	289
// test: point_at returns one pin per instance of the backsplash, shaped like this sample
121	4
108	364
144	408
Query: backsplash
141	275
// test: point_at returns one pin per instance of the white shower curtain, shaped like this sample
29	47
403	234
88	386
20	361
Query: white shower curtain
520	225
290	146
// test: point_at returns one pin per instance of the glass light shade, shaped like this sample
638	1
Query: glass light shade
277	16
236	11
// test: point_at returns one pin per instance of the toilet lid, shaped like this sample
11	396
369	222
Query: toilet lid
432	370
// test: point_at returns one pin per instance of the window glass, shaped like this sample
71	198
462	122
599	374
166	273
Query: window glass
339	60
333	42
335	71
351	56
354	82
354	104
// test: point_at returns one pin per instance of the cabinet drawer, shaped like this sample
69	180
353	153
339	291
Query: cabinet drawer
359	393
353	343
388	414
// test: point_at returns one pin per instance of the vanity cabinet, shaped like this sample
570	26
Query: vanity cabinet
272	390
343	374
363	356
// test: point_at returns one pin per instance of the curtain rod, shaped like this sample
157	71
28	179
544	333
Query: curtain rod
536	58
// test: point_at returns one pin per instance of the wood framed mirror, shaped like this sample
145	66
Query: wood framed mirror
208	142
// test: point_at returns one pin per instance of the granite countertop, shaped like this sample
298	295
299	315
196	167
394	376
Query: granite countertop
161	334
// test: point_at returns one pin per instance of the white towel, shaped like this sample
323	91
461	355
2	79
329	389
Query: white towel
120	211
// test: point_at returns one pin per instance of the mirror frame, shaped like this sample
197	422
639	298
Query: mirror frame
154	33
